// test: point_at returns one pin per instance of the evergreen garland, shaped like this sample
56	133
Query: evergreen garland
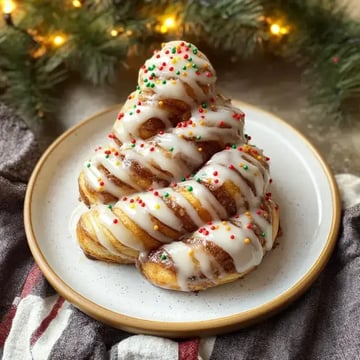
42	41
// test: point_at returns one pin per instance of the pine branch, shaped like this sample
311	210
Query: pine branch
228	24
327	43
28	84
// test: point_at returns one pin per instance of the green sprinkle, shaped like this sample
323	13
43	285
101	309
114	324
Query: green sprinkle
153	74
146	80
184	67
173	50
194	66
198	137
107	156
152	85
190	188
132	145
134	106
88	165
164	82
246	167
178	72
110	207
195	51
263	234
198	180
189	45
166	195
233	146
204	105
130	113
138	87
172	148
183	179
163	256
148	85
190	59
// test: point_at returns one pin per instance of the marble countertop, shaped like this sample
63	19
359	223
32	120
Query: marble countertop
269	84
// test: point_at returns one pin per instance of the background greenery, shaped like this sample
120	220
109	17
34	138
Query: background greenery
42	42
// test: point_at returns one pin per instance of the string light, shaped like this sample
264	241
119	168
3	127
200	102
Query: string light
77	3
114	33
58	40
8	6
169	23
277	29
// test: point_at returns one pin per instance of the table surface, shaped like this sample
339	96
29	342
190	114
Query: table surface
269	84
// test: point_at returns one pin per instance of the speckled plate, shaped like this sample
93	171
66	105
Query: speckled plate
120	296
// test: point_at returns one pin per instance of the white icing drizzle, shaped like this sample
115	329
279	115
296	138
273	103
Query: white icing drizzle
178	71
239	242
142	208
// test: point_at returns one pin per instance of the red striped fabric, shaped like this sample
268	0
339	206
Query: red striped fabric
32	279
46	321
189	350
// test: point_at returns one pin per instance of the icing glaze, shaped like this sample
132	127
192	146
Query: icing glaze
193	196
173	124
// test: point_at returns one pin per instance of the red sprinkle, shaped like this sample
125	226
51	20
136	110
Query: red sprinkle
232	237
231	167
115	221
249	226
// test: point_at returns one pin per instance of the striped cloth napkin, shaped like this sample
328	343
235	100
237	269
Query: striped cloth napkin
37	323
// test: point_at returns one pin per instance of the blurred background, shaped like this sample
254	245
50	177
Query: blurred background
297	59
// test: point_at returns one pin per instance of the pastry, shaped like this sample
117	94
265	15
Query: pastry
179	191
231	182
217	253
170	126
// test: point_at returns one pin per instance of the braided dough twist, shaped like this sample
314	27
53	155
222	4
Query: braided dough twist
213	226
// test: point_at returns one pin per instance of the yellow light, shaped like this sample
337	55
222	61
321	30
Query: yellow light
8	6
284	30
114	33
58	40
275	29
168	23
77	3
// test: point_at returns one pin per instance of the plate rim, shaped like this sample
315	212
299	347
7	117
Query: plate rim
183	329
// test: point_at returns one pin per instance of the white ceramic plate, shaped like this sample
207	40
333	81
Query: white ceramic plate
120	296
